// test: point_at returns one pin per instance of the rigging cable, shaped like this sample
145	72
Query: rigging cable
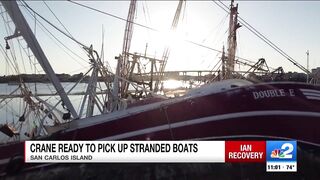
146	16
42	26
46	29
263	38
22	59
150	28
11	49
55	27
216	29
60	22
5	55
117	17
213	69
64	33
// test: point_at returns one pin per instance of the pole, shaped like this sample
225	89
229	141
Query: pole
307	65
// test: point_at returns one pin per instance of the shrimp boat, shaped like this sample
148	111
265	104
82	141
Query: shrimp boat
217	110
230	108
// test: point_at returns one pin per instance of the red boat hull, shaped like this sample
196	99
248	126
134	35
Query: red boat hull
270	110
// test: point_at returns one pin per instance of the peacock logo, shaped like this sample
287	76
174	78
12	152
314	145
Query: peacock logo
277	153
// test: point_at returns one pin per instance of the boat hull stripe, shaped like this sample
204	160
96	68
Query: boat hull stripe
311	94
313	97
212	118
310	91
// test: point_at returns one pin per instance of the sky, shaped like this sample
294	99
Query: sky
291	25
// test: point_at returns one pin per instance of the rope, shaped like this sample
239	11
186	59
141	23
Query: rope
164	109
50	33
60	22
150	28
64	33
263	38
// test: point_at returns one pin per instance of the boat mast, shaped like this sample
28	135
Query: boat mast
307	65
223	61
91	89
232	40
23	29
124	65
165	56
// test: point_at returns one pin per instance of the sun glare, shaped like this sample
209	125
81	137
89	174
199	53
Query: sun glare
172	84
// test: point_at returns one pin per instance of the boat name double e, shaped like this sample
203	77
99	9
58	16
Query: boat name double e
270	93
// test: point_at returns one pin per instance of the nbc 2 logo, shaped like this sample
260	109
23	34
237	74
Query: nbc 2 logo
284	152
281	150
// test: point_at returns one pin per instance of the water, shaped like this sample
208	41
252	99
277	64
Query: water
12	108
16	105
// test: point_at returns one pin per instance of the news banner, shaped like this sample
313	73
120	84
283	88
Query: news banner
279	156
